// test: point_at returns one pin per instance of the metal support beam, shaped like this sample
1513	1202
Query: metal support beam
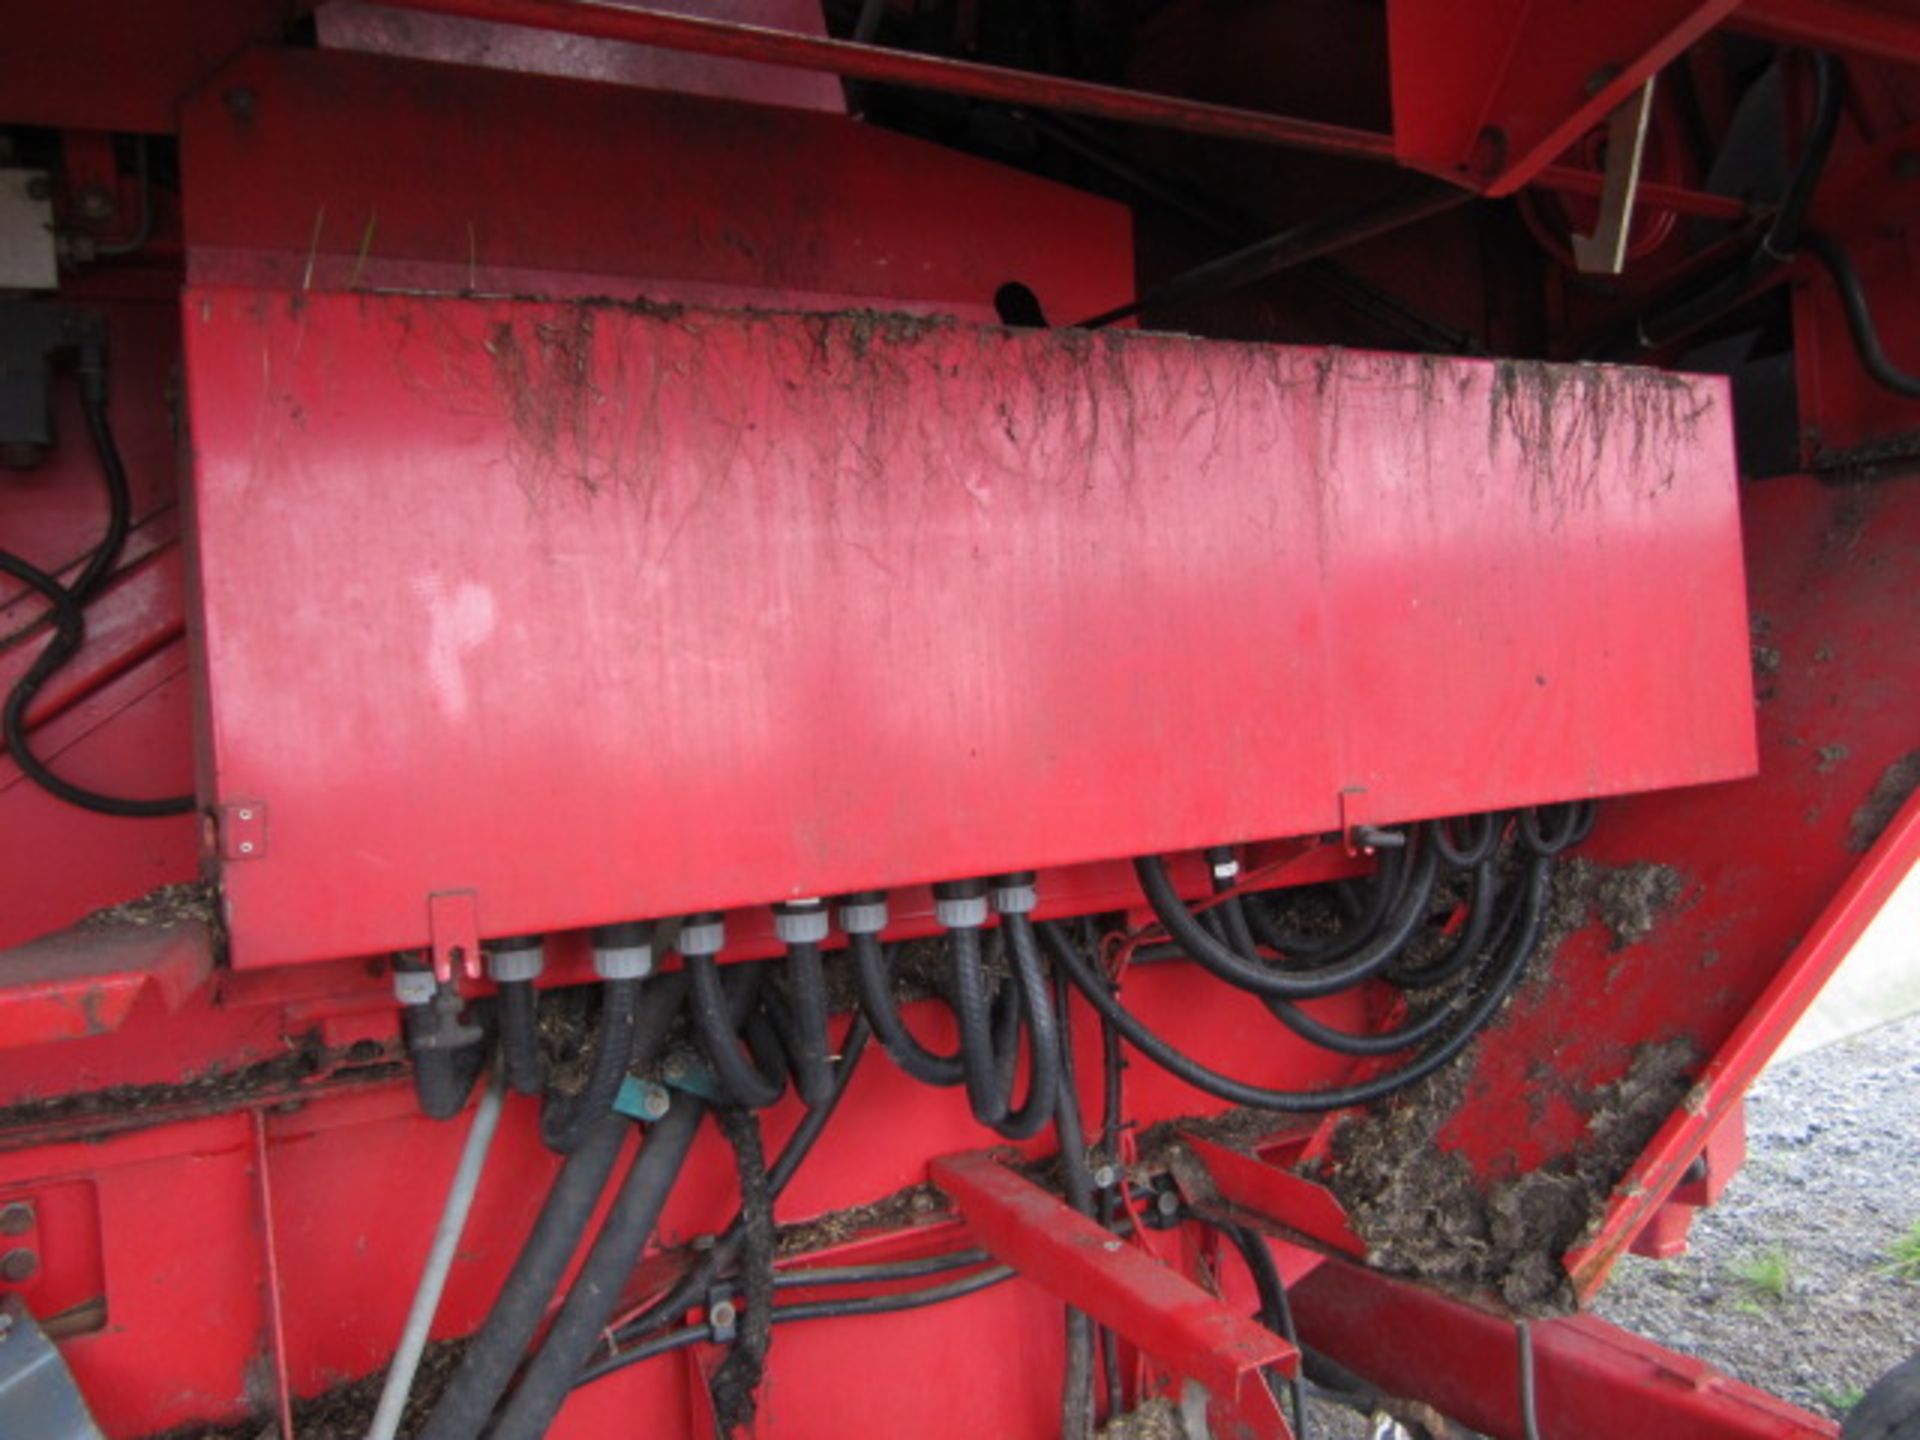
1590	1377
597	19
1151	1306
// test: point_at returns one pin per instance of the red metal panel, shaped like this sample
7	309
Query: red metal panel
348	171
624	611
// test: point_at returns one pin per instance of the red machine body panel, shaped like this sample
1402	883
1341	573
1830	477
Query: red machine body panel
898	601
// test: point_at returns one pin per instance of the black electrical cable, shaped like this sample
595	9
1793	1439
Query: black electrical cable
1472	940
566	1121
1276	1312
872	969
880	1271
1853	302
496	1349
1464	855
1549	829
69	617
1225	964
1113	1064
891	1303
596	1289
1505	974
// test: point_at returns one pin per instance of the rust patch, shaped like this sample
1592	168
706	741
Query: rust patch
1883	802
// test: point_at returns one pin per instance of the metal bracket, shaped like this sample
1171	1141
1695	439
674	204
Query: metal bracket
453	925
1605	251
241	830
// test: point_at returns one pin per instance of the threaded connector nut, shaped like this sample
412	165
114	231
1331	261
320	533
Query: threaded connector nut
414	987
864	914
704	934
1014	895
515	958
800	922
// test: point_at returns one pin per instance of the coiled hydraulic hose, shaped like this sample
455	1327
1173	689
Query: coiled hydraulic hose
1503	975
745	1082
1228	965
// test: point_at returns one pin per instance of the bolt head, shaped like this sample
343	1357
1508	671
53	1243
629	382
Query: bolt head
723	1316
1105	1176
1167	1203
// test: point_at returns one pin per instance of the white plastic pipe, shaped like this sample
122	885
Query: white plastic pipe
433	1278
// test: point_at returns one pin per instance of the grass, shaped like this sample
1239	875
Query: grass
1839	1402
1903	1256
1767	1273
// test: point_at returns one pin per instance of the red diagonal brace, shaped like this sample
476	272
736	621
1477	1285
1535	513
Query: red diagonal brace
1155	1308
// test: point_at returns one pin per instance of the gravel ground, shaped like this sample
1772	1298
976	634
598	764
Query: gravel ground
1786	1282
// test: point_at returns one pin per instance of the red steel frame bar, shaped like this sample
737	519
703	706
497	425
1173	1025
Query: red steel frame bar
1151	1306
596	19
1739	1061
1591	1377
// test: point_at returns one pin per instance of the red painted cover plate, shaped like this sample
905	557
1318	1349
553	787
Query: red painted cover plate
604	611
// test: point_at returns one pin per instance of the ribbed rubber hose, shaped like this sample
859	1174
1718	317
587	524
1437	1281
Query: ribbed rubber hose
809	1047
596	1290
520	1055
497	1347
1338	1097
986	1095
1037	1110
743	1081
1221	961
565	1122
872	969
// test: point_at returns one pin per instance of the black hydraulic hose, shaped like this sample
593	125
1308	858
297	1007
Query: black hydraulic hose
1506	973
1853	302
872	966
1042	1027
809	1045
1468	944
520	1055
1217	958
566	1121
880	1271
69	617
1782	236
744	1082
497	1347
799	1144
1112	1068
1464	855
1388	888
596	1290
1276	1312
972	1008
